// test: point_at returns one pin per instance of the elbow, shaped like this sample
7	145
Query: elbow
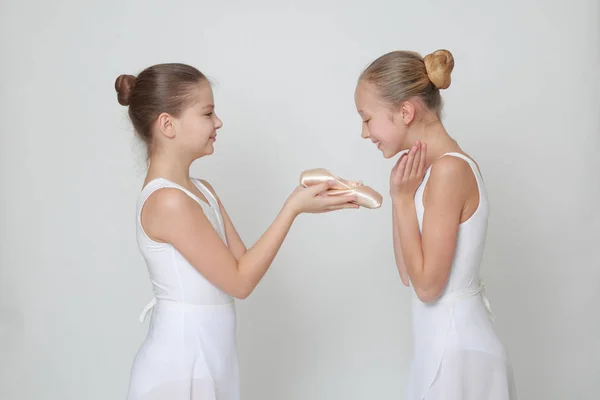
428	295
243	291
430	287
242	295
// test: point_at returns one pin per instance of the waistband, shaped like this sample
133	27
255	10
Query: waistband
179	305
468	292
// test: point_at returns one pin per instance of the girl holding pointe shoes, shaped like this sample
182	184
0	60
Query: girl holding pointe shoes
440	213
196	260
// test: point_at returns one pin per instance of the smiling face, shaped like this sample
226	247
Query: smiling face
197	125
384	126
193	132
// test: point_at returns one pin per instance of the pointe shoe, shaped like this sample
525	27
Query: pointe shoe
365	196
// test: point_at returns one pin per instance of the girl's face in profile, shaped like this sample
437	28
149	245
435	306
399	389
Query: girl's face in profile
380	124
197	125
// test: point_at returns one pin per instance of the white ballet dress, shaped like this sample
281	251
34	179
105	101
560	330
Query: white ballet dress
457	355
190	352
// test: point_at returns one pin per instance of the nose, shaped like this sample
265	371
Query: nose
365	132
218	123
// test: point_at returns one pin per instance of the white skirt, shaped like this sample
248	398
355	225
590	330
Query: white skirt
472	375
457	354
190	353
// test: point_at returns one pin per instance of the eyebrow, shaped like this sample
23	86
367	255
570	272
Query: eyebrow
209	106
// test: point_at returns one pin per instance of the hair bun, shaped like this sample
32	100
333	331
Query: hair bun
124	86
439	66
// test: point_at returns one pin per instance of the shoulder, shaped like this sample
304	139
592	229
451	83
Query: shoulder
450	167
452	175
168	201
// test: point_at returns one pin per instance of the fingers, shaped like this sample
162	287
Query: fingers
340	192
421	169
409	163
416	162
415	167
399	162
320	188
401	167
342	207
336	200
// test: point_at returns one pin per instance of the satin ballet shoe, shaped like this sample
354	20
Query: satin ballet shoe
365	196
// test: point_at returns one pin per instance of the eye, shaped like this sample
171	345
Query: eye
209	114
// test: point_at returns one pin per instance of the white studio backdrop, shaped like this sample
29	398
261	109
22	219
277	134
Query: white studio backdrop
331	319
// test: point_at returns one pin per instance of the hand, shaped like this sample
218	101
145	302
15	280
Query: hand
408	172
314	200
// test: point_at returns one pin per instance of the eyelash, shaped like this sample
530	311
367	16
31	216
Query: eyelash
209	114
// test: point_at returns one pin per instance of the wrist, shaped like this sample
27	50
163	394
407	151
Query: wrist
289	212
401	199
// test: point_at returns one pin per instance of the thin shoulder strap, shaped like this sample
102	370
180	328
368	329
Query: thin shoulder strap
162	183
469	161
214	203
212	200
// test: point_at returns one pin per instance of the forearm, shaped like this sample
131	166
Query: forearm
255	262
409	236
235	245
400	264
234	242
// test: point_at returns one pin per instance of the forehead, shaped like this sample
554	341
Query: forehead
367	97
202	94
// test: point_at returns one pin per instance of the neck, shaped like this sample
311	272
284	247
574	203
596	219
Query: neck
436	137
169	166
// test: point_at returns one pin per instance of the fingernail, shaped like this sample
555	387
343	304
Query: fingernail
330	183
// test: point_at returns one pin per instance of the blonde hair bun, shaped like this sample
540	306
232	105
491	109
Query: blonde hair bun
439	66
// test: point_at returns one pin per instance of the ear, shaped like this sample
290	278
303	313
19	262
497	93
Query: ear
406	112
166	125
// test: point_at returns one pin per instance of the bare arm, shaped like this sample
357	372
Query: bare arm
171	216
398	249
429	258
234	242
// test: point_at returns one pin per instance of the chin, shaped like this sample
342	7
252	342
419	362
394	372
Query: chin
209	149
395	152
205	152
386	154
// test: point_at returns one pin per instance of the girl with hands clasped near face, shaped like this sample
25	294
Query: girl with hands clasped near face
408	173
439	219
196	260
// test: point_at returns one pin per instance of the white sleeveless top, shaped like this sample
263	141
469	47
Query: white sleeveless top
456	351
172	276
472	233
190	352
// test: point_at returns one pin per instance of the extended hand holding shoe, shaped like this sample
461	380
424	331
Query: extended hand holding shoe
365	196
